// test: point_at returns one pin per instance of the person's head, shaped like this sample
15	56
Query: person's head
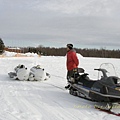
69	46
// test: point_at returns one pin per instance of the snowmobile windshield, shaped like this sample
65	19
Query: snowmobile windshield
110	70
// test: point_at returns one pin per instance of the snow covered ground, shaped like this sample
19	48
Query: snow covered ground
47	100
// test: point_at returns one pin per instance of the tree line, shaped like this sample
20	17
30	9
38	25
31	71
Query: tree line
52	51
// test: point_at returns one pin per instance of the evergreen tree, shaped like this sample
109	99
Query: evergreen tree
1	46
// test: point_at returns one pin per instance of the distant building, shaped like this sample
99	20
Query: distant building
17	50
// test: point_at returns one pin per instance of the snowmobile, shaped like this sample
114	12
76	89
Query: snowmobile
21	73
104	89
36	73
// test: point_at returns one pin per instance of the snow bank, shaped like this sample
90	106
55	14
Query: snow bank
79	55
9	54
14	54
32	54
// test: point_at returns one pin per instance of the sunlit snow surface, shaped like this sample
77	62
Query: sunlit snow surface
48	100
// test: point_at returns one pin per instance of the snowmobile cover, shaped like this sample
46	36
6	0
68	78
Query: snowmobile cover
37	73
98	85
21	73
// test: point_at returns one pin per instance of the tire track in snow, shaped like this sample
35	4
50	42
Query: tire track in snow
59	108
14	104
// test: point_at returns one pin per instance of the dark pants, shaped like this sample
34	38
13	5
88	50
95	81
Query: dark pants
69	74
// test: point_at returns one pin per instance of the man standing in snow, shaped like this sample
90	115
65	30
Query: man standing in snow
71	63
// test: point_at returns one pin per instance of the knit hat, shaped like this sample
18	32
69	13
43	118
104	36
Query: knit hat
70	46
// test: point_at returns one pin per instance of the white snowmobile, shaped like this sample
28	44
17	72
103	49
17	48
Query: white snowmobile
21	73
37	73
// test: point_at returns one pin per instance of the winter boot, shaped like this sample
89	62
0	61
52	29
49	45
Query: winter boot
67	87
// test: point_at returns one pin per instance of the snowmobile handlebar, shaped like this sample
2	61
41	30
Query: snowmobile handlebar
100	69
97	69
104	71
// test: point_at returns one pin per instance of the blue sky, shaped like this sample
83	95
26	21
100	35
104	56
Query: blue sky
54	23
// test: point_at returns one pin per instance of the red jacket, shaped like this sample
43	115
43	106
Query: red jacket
72	60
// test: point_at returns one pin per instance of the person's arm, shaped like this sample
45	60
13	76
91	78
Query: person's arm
75	58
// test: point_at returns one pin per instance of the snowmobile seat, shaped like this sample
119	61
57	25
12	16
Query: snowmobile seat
79	70
84	80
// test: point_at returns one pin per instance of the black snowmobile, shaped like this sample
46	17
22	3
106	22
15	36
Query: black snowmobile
105	89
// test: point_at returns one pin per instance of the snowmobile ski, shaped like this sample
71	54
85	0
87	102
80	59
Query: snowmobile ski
107	111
